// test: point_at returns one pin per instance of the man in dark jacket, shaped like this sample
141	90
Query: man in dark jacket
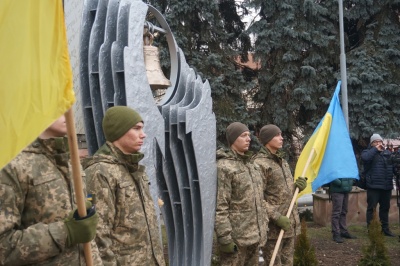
339	190
379	171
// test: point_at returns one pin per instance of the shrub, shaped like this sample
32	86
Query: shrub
375	253
304	252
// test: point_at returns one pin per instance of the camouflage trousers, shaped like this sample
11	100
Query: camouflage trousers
285	253
245	256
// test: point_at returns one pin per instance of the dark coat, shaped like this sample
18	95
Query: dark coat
378	168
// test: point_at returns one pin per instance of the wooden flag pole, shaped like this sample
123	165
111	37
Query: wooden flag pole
76	175
296	192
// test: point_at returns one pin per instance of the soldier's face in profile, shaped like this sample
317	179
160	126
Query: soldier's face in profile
275	143
132	140
58	128
242	143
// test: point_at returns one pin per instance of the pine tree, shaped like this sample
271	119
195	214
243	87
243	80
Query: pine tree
296	44
373	59
304	252
375	254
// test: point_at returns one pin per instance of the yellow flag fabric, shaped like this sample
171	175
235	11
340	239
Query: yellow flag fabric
328	154
313	154
35	72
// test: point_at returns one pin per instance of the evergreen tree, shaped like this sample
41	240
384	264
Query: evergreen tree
373	60
304	252
296	44
375	254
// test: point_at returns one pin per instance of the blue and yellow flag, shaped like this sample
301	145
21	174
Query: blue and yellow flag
329	153
35	72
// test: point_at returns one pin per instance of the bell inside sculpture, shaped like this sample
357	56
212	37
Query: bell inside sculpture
155	75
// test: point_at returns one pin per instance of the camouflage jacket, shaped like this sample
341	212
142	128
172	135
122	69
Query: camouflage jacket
278	191
36	195
240	215
127	232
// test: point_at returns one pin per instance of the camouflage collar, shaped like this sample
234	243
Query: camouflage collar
265	151
55	149
245	157
112	150
231	154
269	154
51	145
133	158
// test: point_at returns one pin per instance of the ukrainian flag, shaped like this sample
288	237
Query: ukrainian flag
329	153
35	72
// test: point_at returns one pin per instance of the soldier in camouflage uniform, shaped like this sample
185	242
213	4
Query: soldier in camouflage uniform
128	229
279	190
240	219
36	202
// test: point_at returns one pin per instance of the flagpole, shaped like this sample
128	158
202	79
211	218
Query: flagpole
76	174
296	192
343	72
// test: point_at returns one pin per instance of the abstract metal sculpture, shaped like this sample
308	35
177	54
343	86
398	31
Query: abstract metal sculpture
181	129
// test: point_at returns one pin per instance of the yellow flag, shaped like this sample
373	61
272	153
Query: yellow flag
328	154
313	153
35	72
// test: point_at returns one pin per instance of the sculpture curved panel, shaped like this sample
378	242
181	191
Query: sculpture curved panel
181	131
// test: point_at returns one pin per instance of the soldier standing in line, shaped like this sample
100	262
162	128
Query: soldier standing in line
127	233
240	220
37	202
279	190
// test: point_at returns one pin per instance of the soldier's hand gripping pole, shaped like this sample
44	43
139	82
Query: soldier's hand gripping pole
296	192
76	174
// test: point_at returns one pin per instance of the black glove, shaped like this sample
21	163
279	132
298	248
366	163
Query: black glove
81	230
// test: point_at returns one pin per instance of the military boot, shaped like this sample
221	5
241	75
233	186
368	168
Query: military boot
348	235
337	238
